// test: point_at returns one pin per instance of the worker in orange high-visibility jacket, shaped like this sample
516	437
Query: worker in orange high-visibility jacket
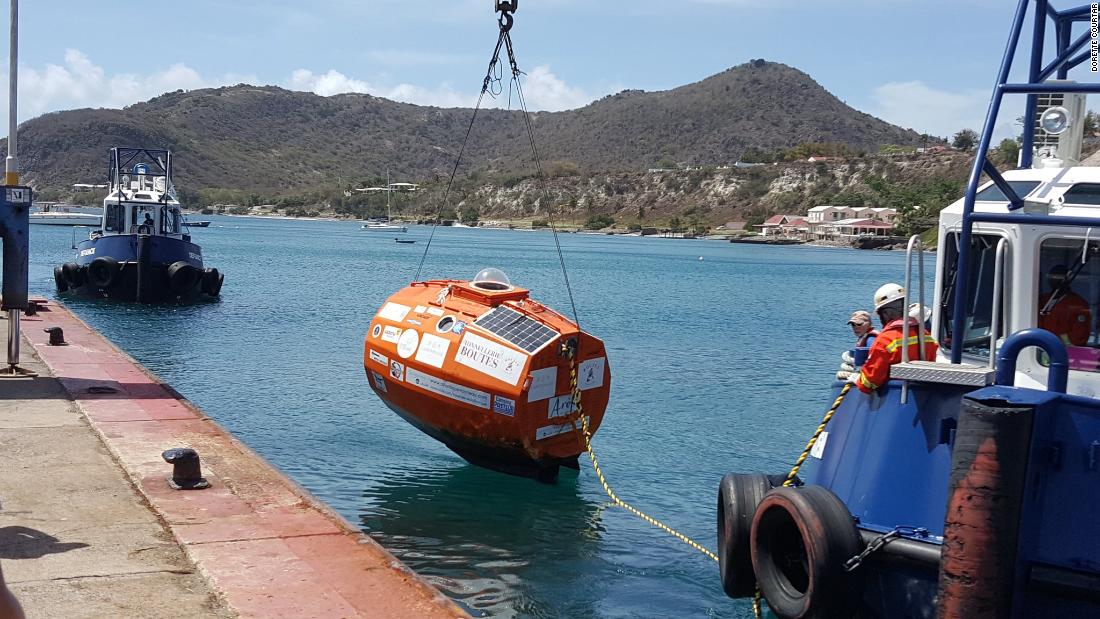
887	349
1071	316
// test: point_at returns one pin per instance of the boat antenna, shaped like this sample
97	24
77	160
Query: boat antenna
491	85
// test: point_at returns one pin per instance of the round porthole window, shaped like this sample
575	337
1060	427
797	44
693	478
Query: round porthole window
445	324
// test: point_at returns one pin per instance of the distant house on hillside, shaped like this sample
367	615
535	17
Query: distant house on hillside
845	222
825	213
772	226
824	159
734	226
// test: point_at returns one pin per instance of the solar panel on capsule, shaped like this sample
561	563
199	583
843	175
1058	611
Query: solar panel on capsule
516	328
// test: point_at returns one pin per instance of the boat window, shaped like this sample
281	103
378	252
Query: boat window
171	221
113	222
144	221
978	291
1069	292
993	193
1083	193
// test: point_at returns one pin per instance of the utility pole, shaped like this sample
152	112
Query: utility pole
15	206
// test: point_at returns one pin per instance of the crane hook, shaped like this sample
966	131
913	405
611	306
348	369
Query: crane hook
506	8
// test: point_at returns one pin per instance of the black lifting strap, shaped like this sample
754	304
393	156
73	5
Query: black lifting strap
494	75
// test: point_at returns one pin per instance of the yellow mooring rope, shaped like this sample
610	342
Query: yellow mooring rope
817	434
756	607
587	435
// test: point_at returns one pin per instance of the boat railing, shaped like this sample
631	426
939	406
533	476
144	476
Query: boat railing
998	301
1065	53
74	234
914	244
1058	374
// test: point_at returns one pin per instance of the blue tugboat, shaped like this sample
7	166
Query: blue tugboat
141	252
967	485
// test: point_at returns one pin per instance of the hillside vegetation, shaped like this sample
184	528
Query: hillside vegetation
267	143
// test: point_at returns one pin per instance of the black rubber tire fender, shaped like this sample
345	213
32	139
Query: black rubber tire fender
183	277
74	275
738	496
801	538
102	271
59	279
212	282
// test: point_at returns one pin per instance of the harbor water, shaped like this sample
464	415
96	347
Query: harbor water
721	358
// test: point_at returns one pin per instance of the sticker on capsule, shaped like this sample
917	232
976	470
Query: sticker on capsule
379	382
590	373
391	334
433	350
504	406
397	371
379	358
394	311
560	406
543	384
407	344
376	331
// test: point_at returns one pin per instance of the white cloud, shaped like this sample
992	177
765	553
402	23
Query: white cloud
918	106
543	90
327	84
78	82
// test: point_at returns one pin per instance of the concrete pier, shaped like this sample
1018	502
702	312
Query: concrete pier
89	525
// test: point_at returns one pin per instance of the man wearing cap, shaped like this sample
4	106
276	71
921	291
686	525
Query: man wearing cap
887	349
862	328
860	322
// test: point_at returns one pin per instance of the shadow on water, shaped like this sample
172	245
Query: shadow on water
483	537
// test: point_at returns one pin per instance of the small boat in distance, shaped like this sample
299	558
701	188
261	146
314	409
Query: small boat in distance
406	241
485	369
55	214
377	224
141	252
205	223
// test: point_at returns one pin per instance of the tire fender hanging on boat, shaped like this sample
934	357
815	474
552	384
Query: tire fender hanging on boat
182	276
212	282
738	496
800	540
101	271
74	274
59	279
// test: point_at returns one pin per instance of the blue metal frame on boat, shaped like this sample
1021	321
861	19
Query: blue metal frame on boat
1067	56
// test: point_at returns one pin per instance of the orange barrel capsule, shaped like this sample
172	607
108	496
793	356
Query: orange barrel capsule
486	370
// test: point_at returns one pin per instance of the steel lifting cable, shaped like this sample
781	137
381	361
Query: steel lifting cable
493	75
485	88
516	73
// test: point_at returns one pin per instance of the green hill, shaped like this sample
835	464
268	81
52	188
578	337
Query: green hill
271	141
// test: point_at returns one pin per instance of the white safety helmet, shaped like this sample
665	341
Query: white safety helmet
920	312
887	294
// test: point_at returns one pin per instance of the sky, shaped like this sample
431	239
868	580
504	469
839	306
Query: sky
922	64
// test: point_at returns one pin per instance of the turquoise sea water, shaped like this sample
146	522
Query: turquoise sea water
718	365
